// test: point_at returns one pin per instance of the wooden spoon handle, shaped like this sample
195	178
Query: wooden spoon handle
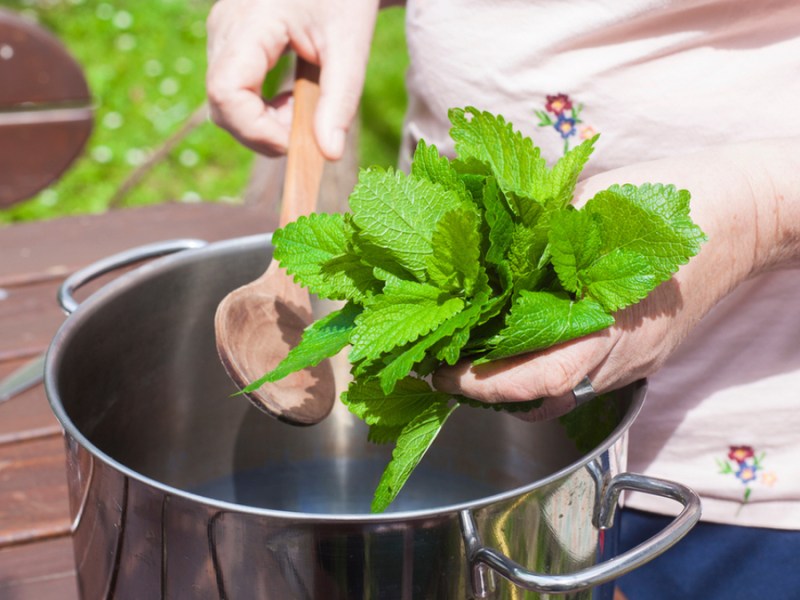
304	160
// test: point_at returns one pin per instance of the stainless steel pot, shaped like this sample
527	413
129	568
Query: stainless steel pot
180	491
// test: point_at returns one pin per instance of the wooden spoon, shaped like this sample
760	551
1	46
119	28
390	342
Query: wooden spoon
258	323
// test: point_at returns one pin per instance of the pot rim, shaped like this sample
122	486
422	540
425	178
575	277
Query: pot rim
129	279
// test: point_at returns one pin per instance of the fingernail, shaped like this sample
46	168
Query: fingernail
335	143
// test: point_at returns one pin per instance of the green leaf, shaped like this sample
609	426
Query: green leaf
322	339
305	246
514	160
412	444
489	322
561	180
473	175
528	244
500	222
427	366
410	398
352	276
399	213
429	164
650	220
528	211
504	278
574	240
495	306
517	163
379	434
400	365
379	260
449	350
539	320
405	311
455	262
471	167
618	279
588	263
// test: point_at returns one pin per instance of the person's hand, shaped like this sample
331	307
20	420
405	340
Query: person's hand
751	225
245	40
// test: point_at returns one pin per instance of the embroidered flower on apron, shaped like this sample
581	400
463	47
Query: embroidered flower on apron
563	115
747	467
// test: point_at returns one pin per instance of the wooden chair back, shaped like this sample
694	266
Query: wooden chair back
45	109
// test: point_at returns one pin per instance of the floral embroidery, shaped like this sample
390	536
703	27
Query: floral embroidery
565	126
558	104
587	131
747	467
769	479
741	453
563	115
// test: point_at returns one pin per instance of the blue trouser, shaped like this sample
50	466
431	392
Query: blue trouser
713	562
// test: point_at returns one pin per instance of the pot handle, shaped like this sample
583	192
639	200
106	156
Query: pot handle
117	261
480	557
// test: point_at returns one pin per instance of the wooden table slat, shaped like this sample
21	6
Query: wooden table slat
64	245
41	571
26	416
29	316
33	491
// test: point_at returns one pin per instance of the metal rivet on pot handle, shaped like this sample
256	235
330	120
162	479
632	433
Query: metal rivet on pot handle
479	555
117	261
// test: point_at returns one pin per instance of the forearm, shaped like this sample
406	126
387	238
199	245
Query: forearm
772	169
746	197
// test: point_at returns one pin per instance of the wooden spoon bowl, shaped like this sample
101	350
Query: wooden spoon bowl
257	324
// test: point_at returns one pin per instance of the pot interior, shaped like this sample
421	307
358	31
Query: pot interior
136	374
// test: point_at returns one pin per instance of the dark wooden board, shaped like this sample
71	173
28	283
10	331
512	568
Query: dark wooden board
34	154
40	571
29	316
45	109
39	69
33	491
38	256
26	416
51	249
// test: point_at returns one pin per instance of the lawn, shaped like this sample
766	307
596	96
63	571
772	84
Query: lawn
145	64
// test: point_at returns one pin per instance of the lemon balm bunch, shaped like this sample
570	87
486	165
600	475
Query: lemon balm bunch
480	257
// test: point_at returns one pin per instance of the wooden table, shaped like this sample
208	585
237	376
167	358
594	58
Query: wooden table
36	560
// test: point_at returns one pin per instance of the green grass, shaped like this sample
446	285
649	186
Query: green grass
145	64
384	101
